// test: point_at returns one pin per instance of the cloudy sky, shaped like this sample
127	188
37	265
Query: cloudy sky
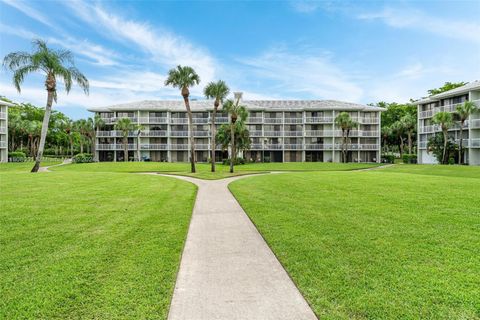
353	51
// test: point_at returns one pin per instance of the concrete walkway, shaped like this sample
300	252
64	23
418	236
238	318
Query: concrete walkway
46	169
227	270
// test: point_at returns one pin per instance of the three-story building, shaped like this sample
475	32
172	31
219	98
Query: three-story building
448	101
280	131
4	130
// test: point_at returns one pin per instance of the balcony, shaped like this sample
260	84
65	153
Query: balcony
221	120
368	133
293	146
201	133
109	120
3	144
3	129
475	123
293	120
475	143
118	146
425	114
446	108
254	120
273	133
293	133
175	146
256	146
275	146
255	133
133	119
179	133
319	120
202	146
154	146
178	120
428	129
200	120
154	133
422	145
314	146
273	120
154	120
3	115
367	120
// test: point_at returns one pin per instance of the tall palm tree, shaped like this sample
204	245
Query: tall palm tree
183	78
445	120
126	126
398	129
218	91
236	112
464	111
386	133
409	123
346	123
54	64
98	123
138	131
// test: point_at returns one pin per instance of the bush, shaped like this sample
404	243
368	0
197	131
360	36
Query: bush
237	161
16	156
451	160
409	158
83	158
388	158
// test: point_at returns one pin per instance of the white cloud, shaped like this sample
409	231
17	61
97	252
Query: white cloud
467	30
310	74
305	6
29	11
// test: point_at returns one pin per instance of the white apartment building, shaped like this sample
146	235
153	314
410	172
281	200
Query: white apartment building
280	131
448	101
4	130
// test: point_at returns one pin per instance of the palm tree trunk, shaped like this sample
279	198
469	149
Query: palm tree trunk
213	143
444	147
232	143
125	149
409	135
138	148
460	160
94	150
71	147
190	134
346	148
343	146
43	135
401	146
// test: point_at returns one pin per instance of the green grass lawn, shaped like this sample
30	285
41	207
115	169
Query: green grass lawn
75	245
203	169
374	245
437	170
25	166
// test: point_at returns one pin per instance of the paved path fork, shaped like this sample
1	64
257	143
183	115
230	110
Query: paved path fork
227	270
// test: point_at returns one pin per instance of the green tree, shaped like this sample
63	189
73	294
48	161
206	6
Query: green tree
55	64
346	123
398	129
242	136
445	121
217	91
183	78
409	124
446	87
386	133
239	113
464	111
125	125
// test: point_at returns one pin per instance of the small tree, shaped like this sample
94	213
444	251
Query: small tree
445	121
218	91
184	78
126	126
436	145
236	112
346	123
242	136
55	64
409	124
464	111
398	129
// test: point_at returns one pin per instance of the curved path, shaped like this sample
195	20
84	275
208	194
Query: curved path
227	270
46	169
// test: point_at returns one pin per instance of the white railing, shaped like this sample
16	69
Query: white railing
256	146
475	123
154	133
115	133
221	120
200	120
294	146
273	133
202	146
428	129
255	133
178	120
368	120
254	120
319	120
118	146
368	133
273	120
109	120
425	114
293	133
157	120
200	133
447	108
154	146
293	120
422	145
3	144
474	143
175	146
133	119
314	146
270	146
179	133
3	115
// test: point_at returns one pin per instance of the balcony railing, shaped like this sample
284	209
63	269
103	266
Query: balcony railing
154	133
474	143
220	120
446	108
273	120
109	120
319	120
202	146
364	120
118	146
273	133
422	145
178	120
254	120
293	133
293	120
3	144
204	133
3	129
475	123
294	146
270	146
3	115
256	146
255	133
200	120
179	133
154	120
154	146
425	114
175	146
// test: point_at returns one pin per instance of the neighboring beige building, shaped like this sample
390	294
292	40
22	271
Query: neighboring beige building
4	130
448	101
281	131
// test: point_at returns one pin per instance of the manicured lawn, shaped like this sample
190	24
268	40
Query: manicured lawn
437	170
373	245
203	169
25	166
90	246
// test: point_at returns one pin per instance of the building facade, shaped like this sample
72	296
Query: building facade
448	101
4	130
280	131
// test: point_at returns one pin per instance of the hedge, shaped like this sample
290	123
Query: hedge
83	158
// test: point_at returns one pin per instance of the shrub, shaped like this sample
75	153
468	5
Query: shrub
83	158
16	156
237	161
409	158
388	158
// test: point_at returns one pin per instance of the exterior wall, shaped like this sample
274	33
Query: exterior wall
471	131
3	133
280	136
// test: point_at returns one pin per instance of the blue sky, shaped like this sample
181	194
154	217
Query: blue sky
353	51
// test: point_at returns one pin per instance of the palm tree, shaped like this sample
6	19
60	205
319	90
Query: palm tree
218	91
236	112
464	111
126	126
55	64
98	123
346	123
183	78
445	120
138	130
386	133
409	123
398	129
